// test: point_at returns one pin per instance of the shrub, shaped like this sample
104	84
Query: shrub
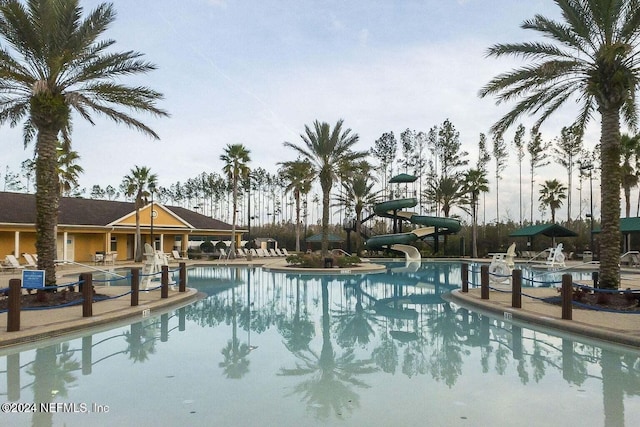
317	261
206	247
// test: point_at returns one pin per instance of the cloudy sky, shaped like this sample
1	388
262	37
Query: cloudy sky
256	71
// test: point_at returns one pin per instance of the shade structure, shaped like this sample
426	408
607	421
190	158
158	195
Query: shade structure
318	238
403	177
549	230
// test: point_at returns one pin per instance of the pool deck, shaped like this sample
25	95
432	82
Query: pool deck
38	325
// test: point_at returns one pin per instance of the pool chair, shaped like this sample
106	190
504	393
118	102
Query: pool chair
272	252
31	263
241	252
284	252
631	258
12	263
176	255
556	257
254	252
279	252
223	254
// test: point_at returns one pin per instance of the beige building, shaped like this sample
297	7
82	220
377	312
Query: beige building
87	227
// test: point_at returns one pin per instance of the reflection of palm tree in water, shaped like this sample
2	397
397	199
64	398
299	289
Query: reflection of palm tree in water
331	378
141	340
299	330
52	375
235	363
354	326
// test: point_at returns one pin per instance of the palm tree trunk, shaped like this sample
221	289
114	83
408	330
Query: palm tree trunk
610	198
234	215
325	220
297	196
47	201
137	244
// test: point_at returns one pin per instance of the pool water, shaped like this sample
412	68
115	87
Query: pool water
267	348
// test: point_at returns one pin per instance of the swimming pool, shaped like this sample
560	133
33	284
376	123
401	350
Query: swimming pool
267	348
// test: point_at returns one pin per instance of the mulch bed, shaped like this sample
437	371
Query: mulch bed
603	301
48	299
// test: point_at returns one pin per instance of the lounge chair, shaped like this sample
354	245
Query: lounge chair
279	252
176	255
241	252
223	254
31	263
12	263
272	252
262	253
284	252
631	258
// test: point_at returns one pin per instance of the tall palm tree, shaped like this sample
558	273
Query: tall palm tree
52	62
139	184
475	182
327	149
298	177
552	193
236	157
592	59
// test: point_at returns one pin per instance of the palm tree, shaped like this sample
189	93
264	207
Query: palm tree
327	149
236	157
358	192
53	62
298	176
552	193
592	60
629	147
475	182
68	169
139	184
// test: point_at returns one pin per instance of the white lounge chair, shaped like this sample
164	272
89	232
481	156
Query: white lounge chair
631	258
12	262
31	263
284	252
556	257
223	254
241	252
272	252
279	252
254	252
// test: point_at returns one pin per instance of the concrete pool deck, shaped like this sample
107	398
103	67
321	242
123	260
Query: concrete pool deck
38	325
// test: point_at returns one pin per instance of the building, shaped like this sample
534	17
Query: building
87	227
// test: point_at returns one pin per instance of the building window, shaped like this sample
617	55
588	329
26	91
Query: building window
114	244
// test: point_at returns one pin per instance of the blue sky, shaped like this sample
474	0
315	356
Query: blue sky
256	71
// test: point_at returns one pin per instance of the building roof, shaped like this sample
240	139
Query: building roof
318	238
550	230
403	177
627	225
20	209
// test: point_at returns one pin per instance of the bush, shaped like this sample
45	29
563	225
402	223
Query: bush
317	261
206	247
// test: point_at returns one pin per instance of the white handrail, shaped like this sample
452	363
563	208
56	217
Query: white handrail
64	261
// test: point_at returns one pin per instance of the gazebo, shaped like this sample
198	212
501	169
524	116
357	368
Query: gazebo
549	230
317	238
